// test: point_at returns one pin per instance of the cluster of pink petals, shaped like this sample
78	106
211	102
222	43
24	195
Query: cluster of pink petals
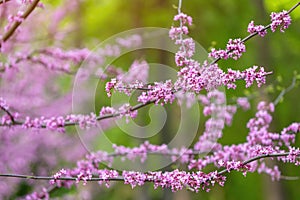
281	19
175	180
3	104
187	46
234	49
260	142
44	194
14	18
123	111
59	123
195	78
177	32
6	119
135	78
159	93
243	103
183	18
130	41
220	114
259	29
183	154
138	72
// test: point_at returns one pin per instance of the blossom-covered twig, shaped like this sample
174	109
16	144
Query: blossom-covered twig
5	108
260	30
192	180
16	24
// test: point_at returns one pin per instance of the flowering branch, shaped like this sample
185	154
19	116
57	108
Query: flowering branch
261	31
5	108
16	24
146	179
274	155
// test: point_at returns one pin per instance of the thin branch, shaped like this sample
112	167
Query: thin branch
48	178
256	33
8	113
3	1
121	178
161	153
224	171
289	178
16	24
138	88
99	118
286	90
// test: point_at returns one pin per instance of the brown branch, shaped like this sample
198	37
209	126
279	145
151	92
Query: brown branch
14	27
3	1
121	178
99	118
9	114
224	171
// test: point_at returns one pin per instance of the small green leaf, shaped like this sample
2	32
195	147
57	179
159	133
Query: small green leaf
279	88
270	89
279	78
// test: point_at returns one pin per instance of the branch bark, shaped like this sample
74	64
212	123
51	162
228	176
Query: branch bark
14	27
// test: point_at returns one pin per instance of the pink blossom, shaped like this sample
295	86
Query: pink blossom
184	18
234	49
281	19
259	29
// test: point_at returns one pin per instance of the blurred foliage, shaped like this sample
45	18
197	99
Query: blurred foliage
214	23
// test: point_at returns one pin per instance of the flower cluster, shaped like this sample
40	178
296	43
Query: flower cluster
195	78
138	72
3	104
183	154
220	114
293	156
134	40
84	121
260	142
234	49
14	18
59	123
53	123
44	194
159	93
183	18
176	33
243	102
281	19
260	29
123	111
8	118
175	180
135	78
187	46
